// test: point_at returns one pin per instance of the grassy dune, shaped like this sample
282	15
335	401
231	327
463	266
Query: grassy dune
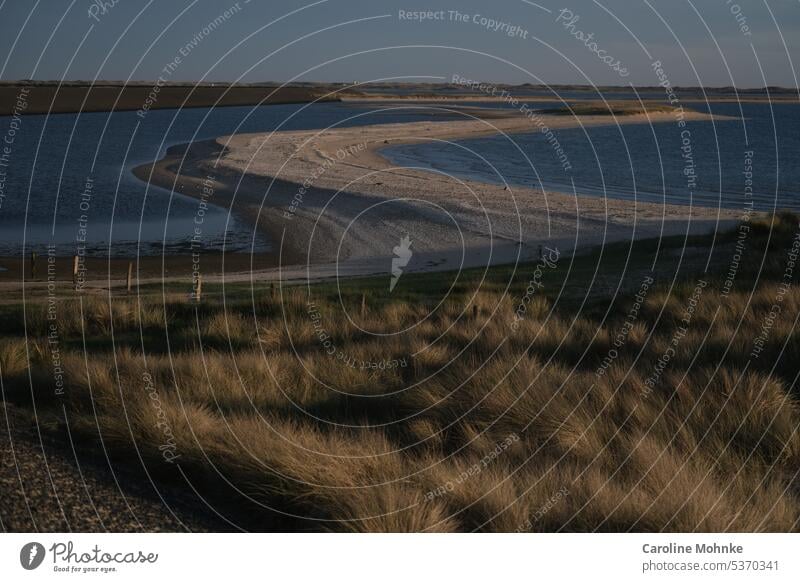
484	417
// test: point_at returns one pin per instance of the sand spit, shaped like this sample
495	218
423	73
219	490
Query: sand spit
335	206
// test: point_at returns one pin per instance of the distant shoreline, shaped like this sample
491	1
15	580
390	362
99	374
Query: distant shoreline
37	99
48	97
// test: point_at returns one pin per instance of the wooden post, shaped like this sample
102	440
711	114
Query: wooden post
198	289
363	304
130	276
75	272
33	266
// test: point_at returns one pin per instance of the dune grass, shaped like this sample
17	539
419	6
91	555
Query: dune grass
608	403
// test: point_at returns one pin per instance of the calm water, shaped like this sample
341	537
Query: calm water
51	160
54	159
639	161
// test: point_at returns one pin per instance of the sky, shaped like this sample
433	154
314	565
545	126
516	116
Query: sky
614	42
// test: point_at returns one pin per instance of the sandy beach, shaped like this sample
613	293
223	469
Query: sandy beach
333	205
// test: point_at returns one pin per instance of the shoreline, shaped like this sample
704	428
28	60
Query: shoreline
314	193
481	97
70	98
332	205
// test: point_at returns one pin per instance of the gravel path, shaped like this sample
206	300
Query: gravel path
44	489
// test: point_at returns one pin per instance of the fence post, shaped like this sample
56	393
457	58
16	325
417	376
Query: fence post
33	266
130	276
198	289
75	272
363	304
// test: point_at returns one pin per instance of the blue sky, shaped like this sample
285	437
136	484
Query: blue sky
698	41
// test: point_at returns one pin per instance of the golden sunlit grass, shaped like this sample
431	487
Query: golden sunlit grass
461	423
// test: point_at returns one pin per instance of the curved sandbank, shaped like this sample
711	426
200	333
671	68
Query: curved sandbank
333	205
